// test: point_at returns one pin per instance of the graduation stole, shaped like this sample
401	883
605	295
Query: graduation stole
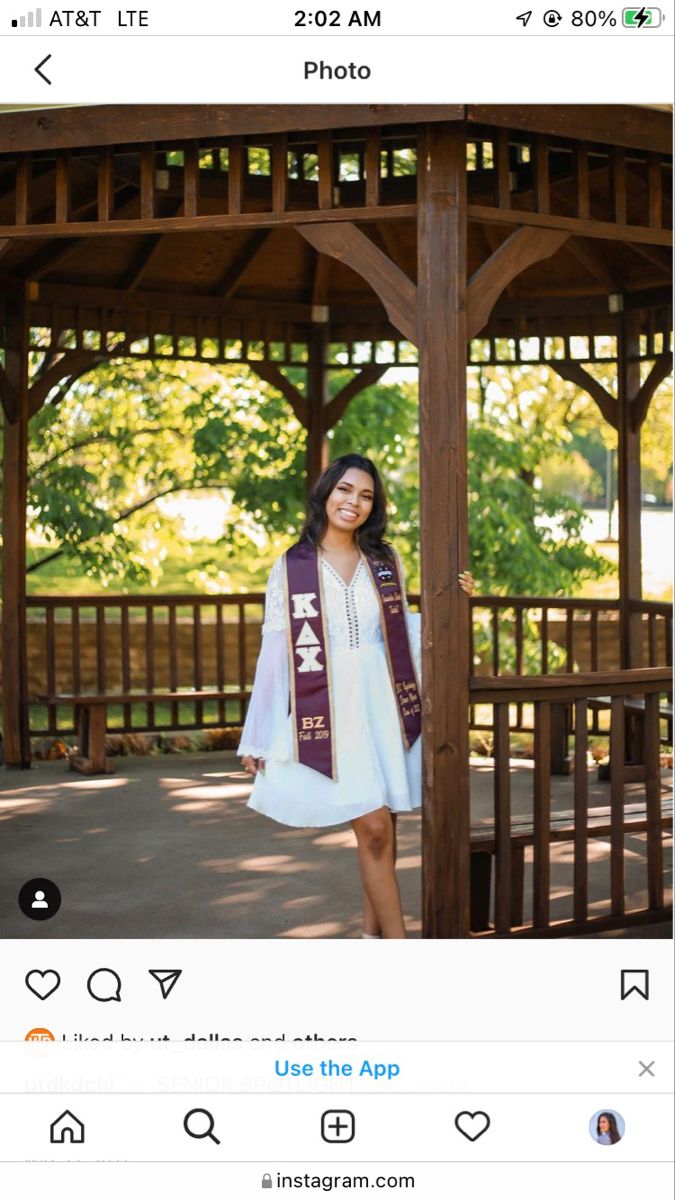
310	678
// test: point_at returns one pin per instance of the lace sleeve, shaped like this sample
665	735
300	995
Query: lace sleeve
275	606
265	732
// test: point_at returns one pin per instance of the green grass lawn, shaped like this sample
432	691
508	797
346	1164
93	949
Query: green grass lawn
64	577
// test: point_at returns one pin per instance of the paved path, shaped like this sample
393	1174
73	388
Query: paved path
167	848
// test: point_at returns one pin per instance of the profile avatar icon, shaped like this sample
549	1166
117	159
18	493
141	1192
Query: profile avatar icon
607	1127
39	899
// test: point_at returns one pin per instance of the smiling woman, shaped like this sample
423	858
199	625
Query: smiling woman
332	733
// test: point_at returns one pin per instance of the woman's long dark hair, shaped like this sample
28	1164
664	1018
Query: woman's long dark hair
369	537
613	1131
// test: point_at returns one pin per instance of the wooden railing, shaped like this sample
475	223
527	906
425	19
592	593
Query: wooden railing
162	644
168	643
505	839
530	635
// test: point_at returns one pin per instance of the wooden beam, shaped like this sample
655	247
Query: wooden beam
65	384
391	245
234	220
573	372
441	288
363	379
349	245
321	280
47	257
657	258
523	248
615	124
317	404
73	362
109	124
149	251
241	262
273	375
8	397
639	408
66	295
595	263
573	225
16	734
142	261
629	493
493	242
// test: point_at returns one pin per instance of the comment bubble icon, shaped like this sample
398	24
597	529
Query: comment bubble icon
104	984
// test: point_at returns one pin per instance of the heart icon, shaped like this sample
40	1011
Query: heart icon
43	983
472	1125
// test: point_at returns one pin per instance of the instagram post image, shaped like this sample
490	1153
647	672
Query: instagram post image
336	521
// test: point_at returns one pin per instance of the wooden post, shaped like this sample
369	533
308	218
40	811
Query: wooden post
317	398
16	735
629	493
441	288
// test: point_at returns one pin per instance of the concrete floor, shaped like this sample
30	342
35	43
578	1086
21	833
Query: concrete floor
167	848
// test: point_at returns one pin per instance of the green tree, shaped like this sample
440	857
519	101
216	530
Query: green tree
130	433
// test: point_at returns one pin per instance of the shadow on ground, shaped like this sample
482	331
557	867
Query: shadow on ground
166	847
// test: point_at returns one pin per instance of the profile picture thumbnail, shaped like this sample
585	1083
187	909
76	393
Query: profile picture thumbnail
607	1127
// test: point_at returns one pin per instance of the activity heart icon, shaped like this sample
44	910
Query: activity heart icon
43	983
472	1125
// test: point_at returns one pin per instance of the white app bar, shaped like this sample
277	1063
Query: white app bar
274	1130
340	69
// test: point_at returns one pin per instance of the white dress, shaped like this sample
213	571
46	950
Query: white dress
374	769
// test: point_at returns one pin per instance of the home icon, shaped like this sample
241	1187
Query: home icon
66	1128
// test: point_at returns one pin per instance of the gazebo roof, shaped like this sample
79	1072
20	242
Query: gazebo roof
272	271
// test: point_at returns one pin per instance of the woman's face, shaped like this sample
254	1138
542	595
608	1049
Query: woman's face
604	1125
351	501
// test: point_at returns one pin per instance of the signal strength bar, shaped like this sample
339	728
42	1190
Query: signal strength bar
32	20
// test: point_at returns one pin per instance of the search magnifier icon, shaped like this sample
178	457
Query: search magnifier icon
199	1123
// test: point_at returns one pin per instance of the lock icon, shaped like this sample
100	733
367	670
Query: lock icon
267	1181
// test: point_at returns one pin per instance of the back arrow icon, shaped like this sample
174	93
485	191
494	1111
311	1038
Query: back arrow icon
39	72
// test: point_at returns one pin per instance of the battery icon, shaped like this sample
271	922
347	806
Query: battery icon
641	18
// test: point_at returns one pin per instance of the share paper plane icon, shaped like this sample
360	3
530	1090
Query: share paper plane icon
167	980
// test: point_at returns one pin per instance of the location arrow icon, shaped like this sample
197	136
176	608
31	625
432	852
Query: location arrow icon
167	981
524	17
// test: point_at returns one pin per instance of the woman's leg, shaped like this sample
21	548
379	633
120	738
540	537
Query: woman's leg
375	837
371	925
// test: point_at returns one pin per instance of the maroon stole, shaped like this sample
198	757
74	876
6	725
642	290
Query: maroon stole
311	690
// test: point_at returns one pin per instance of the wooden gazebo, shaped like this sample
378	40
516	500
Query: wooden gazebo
267	235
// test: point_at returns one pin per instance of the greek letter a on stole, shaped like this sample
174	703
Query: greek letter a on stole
307	644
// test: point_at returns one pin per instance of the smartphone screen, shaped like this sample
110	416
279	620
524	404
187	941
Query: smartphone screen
337	570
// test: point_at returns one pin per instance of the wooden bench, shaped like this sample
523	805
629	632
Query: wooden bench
483	848
91	719
634	706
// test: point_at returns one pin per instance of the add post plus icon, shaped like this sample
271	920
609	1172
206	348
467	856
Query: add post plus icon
167	981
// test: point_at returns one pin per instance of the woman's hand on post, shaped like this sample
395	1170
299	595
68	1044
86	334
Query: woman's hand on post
467	582
252	765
